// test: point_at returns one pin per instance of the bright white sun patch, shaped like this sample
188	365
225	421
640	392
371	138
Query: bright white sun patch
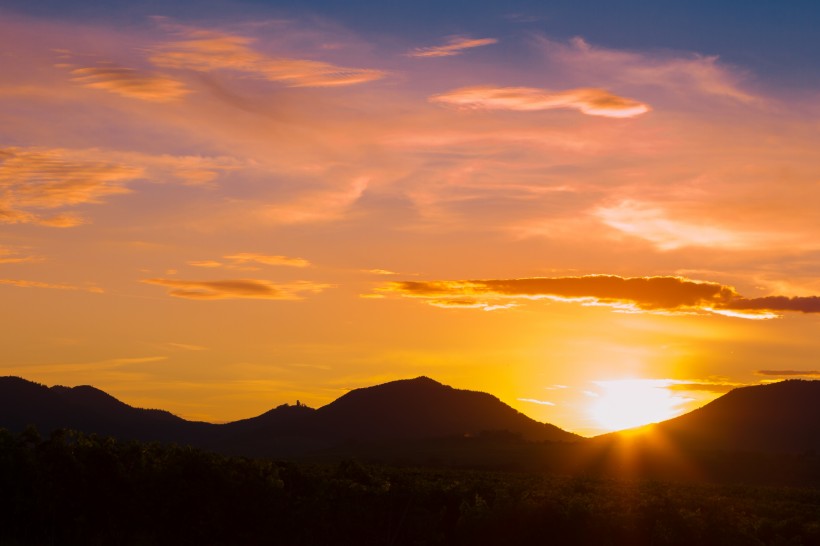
627	403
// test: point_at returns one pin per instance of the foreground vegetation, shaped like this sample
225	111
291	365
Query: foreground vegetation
71	488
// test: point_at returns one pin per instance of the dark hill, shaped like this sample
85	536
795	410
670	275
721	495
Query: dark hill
424	408
408	409
782	416
412	409
88	409
760	434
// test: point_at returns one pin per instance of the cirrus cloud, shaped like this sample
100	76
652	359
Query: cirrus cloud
21	283
245	261
206	51
454	46
590	101
689	74
245	257
130	83
789	373
35	179
237	289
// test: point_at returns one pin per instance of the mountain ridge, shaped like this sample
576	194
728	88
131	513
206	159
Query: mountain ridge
781	416
778	417
419	408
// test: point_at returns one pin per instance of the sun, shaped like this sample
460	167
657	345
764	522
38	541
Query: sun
628	403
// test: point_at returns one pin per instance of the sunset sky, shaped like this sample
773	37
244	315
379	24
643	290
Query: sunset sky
215	208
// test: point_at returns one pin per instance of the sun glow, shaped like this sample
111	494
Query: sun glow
628	403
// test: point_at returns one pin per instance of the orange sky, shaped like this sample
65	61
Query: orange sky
215	216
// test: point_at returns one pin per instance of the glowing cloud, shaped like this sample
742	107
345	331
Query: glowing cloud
534	401
653	224
237	289
629	294
590	101
645	293
206	51
454	46
130	83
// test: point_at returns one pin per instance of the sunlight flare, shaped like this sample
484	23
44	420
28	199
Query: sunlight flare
628	403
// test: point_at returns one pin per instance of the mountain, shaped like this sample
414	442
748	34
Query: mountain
422	407
89	409
783	416
765	434
412	409
408	409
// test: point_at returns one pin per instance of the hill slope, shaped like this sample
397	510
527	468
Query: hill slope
782	416
422	407
90	410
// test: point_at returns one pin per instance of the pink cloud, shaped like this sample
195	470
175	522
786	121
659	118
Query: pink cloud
130	83
237	289
593	102
453	46
681	73
207	51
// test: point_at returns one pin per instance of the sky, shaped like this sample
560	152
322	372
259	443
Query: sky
604	214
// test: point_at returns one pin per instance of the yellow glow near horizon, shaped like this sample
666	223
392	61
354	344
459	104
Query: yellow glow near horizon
628	403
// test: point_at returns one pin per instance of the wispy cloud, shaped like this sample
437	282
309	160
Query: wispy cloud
206	51
14	256
703	387
265	259
185	346
243	259
36	179
97	366
32	179
317	206
628	294
237	289
454	46
590	101
789	373
206	263
534	401
130	83
679	73
53	286
654	224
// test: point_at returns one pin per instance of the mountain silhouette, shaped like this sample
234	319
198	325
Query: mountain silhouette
783	416
774	418
766	434
88	409
422	407
411	409
408	409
